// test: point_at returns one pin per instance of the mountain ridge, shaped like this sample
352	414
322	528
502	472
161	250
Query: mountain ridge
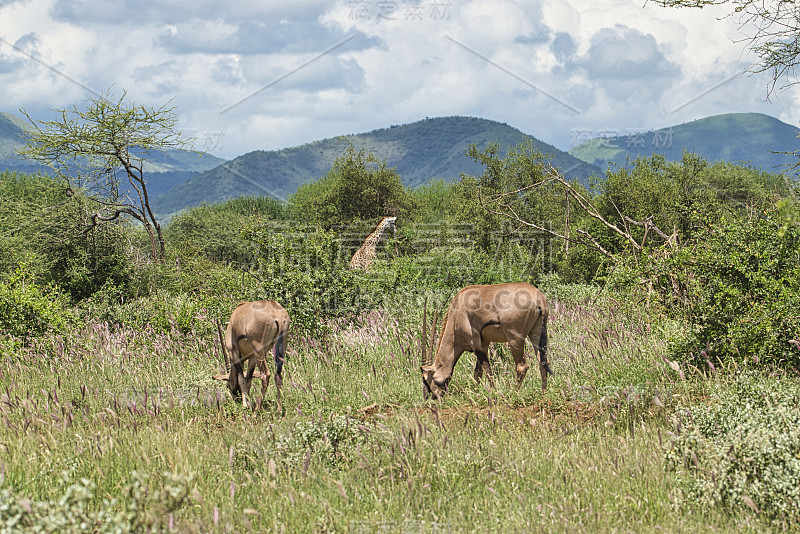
759	140
435	148
419	151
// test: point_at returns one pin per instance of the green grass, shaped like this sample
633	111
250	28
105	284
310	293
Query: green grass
355	448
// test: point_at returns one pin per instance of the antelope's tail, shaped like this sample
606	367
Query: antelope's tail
280	352
543	347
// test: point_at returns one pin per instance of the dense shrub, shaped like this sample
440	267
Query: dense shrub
358	186
47	227
305	270
681	197
82	259
739	290
434	201
28	309
742	451
186	292
214	231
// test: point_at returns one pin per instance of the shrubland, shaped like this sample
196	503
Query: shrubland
676	360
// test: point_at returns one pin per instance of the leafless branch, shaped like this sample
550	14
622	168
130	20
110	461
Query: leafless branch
499	205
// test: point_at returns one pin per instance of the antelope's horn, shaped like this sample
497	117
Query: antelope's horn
424	338
433	333
225	359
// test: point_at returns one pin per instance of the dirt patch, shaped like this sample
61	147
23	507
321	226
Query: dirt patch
378	411
573	411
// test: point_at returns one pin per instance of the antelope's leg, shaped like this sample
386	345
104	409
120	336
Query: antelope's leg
262	365
246	381
538	337
482	364
233	379
517	346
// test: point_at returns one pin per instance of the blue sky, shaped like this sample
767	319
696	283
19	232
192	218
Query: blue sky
251	75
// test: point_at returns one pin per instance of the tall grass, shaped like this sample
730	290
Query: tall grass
356	448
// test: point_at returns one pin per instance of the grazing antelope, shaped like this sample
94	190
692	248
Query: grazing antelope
254	329
480	315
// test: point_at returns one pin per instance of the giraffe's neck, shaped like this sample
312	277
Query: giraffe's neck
373	238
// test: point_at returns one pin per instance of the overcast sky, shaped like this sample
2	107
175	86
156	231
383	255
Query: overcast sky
251	75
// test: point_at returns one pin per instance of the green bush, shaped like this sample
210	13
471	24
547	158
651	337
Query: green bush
305	270
186	292
214	231
743	451
739	290
28	309
160	311
435	201
358	186
47	227
681	197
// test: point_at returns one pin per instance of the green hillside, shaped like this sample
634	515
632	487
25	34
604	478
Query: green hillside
431	148
736	137
11	130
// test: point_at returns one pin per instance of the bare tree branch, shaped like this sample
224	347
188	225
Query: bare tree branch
771	29
500	204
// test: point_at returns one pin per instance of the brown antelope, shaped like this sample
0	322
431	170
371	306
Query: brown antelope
480	315
254	329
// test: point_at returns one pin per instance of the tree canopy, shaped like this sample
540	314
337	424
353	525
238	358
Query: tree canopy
101	151
358	186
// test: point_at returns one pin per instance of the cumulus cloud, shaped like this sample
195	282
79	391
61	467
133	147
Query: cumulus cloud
564	47
625	54
254	37
547	68
26	45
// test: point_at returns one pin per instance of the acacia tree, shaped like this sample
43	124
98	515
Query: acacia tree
771	27
358	186
101	151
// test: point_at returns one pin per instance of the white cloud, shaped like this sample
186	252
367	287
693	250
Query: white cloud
621	64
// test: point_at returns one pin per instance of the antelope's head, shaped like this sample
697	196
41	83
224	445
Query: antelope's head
429	386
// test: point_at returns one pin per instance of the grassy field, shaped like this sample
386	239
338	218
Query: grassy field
112	421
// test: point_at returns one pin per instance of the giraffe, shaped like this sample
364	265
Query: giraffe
363	257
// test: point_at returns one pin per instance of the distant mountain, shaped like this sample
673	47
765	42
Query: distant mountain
11	130
421	151
164	169
750	138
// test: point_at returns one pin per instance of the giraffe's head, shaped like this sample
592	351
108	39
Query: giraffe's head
388	223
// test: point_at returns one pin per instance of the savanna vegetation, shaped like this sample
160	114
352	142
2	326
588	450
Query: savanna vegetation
674	337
